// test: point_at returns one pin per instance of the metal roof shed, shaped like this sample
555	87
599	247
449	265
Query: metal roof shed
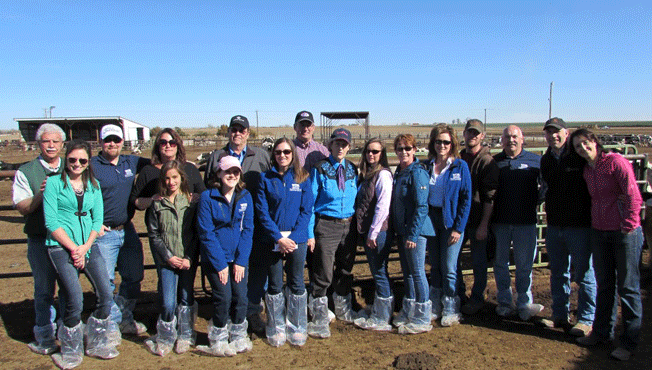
86	128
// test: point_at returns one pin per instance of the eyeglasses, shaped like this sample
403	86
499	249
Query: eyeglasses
404	149
235	129
73	160
112	139
444	142
163	142
285	151
374	152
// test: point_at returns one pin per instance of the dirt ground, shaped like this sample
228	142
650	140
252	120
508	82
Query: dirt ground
481	342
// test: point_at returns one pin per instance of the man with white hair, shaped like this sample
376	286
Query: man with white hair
514	223
28	187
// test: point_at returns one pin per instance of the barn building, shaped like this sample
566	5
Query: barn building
86	128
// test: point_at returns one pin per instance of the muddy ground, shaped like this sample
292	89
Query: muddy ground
481	342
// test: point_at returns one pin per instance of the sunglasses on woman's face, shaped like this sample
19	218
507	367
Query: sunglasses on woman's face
443	142
404	149
163	142
73	160
286	152
374	152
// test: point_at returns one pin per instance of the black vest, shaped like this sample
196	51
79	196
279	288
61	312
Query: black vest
365	205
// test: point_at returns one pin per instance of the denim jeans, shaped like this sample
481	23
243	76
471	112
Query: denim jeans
294	265
174	287
478	263
523	239
45	280
566	244
230	299
377	258
413	262
333	257
443	258
616	258
123	249
68	278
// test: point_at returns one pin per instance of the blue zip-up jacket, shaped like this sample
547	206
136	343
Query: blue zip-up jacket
225	229
284	205
409	209
329	199
457	195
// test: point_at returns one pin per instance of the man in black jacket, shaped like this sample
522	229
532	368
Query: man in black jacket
568	212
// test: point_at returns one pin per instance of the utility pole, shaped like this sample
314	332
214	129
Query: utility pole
45	112
51	107
550	101
485	120
257	129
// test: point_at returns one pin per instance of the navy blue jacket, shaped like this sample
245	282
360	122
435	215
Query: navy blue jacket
284	205
225	229
457	195
518	189
409	209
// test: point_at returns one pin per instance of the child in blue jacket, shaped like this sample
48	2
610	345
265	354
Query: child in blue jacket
225	226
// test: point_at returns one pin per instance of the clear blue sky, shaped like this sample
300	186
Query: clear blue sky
194	63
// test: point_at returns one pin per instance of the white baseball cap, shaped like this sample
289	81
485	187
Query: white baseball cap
111	130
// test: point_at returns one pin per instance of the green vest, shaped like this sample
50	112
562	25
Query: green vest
35	174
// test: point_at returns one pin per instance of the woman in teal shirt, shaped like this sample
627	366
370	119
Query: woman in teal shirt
73	209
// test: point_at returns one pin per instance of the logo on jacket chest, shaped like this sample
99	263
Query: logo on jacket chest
295	187
456	177
243	207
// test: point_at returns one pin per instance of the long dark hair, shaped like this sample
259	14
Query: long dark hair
367	171
178	166
584	132
156	150
439	129
87	175
300	174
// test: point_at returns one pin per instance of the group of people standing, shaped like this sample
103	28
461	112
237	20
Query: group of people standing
252	218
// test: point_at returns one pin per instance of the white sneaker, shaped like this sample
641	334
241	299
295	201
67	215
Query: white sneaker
531	309
133	327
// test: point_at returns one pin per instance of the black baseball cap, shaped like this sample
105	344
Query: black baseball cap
239	120
304	116
555	122
341	134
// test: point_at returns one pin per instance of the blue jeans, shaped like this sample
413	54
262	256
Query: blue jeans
616	258
443	258
45	279
524	240
123	249
413	262
174	287
566	244
294	265
68	278
478	263
230	299
377	258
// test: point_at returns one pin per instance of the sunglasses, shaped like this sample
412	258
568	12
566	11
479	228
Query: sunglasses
112	139
404	149
374	152
73	160
163	142
285	151
444	142
236	129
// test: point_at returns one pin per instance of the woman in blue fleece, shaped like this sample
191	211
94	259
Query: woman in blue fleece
449	204
225	225
284	206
